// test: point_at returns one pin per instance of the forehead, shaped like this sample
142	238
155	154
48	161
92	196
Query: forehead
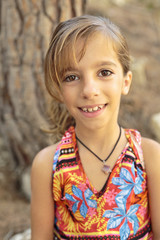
98	42
73	51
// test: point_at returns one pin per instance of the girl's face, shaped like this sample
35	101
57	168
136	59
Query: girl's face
91	89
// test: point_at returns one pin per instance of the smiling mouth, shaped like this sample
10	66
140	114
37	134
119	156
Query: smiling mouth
94	109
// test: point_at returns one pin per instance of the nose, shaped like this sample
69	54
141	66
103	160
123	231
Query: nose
90	88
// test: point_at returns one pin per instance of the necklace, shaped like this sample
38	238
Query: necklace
106	169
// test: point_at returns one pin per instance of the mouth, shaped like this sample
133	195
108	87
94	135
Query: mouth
93	109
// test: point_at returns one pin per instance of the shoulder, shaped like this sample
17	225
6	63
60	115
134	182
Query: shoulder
150	147
42	203
44	154
151	152
43	161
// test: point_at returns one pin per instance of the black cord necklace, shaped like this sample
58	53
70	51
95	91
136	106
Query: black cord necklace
106	169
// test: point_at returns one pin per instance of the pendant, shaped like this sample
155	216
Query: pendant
106	169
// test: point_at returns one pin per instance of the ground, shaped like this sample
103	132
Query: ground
141	27
14	209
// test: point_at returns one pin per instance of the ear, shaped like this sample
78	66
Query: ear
127	83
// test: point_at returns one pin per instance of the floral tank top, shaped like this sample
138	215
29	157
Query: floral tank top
119	211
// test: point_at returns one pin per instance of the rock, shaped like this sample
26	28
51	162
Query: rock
155	125
138	67
2	178
119	2
26	235
152	3
26	183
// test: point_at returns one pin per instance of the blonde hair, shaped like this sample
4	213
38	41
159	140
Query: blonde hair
61	55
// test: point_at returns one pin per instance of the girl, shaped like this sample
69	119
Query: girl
105	178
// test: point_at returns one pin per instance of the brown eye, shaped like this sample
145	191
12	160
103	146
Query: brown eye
105	73
71	78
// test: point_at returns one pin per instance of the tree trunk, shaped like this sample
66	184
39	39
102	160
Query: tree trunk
24	36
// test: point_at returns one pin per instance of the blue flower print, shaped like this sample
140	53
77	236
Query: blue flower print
127	183
81	201
120	214
56	155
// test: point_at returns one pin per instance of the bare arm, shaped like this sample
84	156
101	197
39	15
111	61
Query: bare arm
42	205
151	151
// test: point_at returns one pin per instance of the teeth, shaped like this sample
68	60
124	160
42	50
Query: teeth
94	109
90	109
100	107
84	109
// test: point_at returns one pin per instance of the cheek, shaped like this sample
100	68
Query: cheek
61	97
67	97
113	88
64	94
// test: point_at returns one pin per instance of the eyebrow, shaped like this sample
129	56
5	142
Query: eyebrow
99	64
67	69
105	63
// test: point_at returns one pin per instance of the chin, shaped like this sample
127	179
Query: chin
91	125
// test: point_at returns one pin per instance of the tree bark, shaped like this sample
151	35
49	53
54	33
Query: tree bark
25	31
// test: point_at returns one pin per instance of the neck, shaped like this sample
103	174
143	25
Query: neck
102	160
98	139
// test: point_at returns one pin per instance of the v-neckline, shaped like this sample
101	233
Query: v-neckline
84	175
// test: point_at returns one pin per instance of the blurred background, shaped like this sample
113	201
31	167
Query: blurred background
25	30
